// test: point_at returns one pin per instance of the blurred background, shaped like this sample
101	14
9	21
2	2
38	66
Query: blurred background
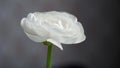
99	19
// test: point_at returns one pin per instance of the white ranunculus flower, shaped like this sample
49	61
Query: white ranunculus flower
55	27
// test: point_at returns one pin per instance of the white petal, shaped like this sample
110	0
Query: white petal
70	16
27	26
82	36
55	43
36	38
75	37
80	39
80	27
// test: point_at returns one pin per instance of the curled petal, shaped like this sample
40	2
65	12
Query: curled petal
55	43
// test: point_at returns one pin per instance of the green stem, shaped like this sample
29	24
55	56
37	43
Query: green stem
49	56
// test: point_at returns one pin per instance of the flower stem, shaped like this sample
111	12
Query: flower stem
49	54
49	57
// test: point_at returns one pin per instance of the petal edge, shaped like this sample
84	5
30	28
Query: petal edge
55	43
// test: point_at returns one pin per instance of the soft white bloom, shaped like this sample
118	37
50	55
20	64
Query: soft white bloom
55	27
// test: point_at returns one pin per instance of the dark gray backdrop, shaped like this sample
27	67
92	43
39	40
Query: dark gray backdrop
99	19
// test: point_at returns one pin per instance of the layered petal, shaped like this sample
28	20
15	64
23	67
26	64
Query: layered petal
55	27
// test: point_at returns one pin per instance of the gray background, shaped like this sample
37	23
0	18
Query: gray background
99	19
